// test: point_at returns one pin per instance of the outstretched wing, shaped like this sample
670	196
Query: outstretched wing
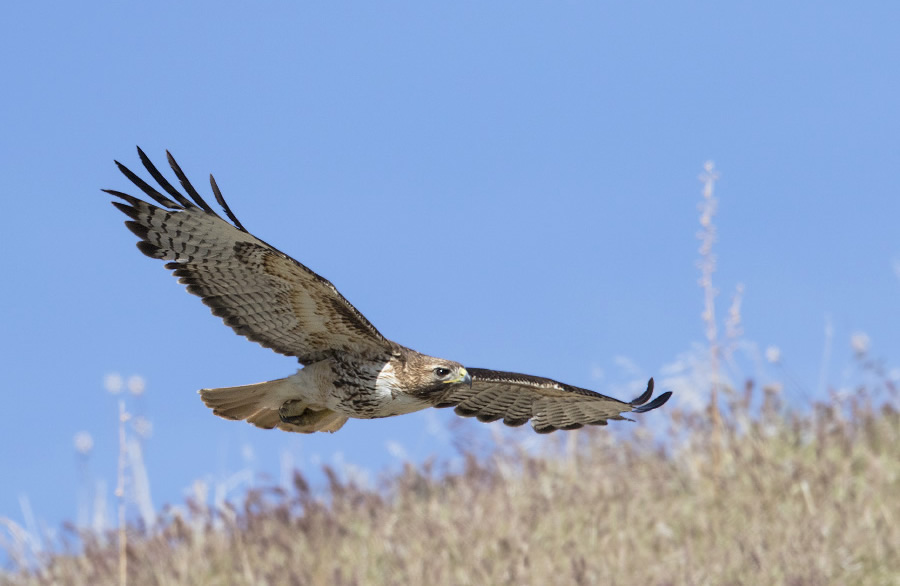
258	291
550	405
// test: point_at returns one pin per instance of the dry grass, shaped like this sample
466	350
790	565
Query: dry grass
795	499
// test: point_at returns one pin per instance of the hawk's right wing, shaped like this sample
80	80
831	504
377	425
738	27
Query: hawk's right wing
549	405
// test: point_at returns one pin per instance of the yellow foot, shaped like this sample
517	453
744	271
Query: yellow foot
295	413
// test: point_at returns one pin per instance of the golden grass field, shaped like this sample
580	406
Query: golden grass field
770	497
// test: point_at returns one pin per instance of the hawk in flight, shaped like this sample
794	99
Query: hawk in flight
349	368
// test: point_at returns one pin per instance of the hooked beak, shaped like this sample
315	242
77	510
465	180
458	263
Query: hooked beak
463	377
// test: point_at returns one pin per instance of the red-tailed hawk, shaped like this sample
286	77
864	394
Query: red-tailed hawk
349	368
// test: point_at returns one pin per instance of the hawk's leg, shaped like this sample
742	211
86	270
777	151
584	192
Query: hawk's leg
296	413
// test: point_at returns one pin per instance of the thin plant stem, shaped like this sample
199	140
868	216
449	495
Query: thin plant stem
120	496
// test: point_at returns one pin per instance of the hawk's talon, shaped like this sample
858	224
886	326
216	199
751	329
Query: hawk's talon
292	412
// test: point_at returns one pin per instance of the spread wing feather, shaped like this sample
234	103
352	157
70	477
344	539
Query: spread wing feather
258	291
548	404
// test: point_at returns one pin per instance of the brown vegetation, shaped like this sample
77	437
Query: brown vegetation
784	498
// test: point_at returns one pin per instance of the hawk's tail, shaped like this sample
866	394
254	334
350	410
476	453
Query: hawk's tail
259	404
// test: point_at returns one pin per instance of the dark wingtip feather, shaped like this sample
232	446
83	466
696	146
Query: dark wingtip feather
138	230
150	250
645	396
221	200
126	209
163	182
657	402
187	184
129	198
146	188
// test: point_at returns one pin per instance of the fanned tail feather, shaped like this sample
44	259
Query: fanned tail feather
259	403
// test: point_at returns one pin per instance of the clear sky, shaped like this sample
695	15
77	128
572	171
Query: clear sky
511	185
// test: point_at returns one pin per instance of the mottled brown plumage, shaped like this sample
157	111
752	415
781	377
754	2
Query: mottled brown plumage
350	369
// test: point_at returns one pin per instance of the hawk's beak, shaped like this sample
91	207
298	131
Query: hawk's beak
462	376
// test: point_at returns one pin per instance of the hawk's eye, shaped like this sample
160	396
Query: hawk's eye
441	372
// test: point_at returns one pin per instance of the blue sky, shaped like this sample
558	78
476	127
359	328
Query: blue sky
511	185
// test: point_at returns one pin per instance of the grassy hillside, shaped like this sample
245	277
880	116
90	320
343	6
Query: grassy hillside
768	497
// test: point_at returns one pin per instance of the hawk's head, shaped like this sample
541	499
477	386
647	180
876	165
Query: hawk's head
424	375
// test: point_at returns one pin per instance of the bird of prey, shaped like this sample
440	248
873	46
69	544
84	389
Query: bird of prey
349	369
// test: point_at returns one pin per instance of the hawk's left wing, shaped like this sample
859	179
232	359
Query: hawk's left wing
550	405
260	292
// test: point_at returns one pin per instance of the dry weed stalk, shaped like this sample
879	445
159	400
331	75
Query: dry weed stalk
707	265
120	495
